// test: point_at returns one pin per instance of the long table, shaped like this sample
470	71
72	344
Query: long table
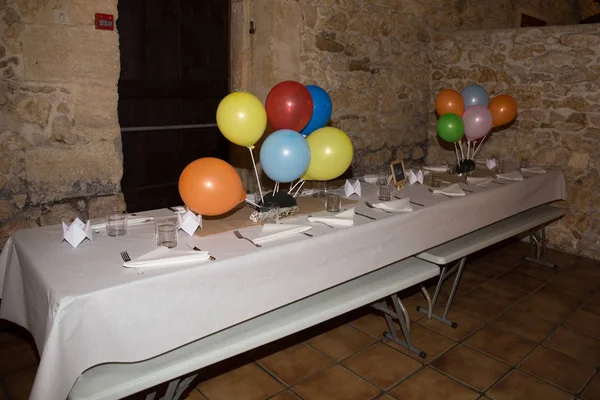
84	309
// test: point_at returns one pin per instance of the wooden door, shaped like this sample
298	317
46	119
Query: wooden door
174	73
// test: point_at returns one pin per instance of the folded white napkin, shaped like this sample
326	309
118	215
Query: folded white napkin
272	232
511	176
372	179
491	163
452	191
345	218
351	188
415	177
401	205
165	257
535	170
473	180
436	168
131	221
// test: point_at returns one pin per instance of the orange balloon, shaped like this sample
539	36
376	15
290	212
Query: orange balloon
210	186
503	108
449	101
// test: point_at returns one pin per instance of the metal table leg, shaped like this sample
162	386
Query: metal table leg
538	252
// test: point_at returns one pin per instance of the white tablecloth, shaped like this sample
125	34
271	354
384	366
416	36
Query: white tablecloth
83	308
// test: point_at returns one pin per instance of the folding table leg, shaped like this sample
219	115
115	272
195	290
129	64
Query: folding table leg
459	267
538	252
175	388
403	318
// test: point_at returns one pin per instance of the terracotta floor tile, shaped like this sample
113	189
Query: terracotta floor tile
341	342
550	309
593	304
479	305
468	281
586	322
592	391
381	365
575	286
15	353
557	368
524	324
471	367
506	258
516	278
562	260
486	268
18	383
466	325
335	383
373	324
285	396
503	291
576	345
537	270
425	340
429	384
518	385
295	363
505	346
248	382
411	304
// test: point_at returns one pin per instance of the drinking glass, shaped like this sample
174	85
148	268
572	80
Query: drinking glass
333	202
499	165
384	192
524	162
166	234
116	225
269	213
319	189
435	178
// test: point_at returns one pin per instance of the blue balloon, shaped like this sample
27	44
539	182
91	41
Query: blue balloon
475	95
285	155
321	110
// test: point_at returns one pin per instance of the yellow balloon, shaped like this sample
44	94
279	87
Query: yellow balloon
331	153
242	118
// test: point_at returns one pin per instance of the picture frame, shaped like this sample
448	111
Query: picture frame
398	173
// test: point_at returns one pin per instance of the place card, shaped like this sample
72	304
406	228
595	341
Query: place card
414	178
352	188
189	222
76	233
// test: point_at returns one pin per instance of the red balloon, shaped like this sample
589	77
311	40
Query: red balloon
289	106
210	186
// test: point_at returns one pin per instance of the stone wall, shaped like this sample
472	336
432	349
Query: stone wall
553	75
587	8
60	145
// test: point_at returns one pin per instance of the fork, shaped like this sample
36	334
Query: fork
324	223
126	258
239	236
376	208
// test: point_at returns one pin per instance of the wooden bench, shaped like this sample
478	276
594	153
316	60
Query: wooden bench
117	380
458	249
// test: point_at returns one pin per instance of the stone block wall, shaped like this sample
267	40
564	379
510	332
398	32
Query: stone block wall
553	73
588	8
60	144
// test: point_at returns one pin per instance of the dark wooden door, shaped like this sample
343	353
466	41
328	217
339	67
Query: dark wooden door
174	72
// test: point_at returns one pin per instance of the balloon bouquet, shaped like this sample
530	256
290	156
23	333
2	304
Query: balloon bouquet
301	147
471	114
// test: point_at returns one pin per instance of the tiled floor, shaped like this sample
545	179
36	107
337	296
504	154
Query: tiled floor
525	332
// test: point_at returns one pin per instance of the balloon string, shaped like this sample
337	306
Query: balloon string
276	188
294	186
300	188
480	145
461	151
468	149
456	150
256	173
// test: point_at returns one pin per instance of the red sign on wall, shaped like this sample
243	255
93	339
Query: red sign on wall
105	21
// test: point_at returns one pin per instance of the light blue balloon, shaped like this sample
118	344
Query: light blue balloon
321	109
475	95
285	155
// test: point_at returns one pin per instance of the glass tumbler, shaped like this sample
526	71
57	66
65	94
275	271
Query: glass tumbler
166	234
116	225
333	202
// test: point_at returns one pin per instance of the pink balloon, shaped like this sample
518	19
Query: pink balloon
478	122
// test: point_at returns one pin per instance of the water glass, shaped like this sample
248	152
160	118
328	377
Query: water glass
524	162
435	178
384	192
319	189
383	178
166	234
116	225
499	165
269	213
333	202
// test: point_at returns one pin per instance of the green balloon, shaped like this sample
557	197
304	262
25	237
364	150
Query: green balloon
450	127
